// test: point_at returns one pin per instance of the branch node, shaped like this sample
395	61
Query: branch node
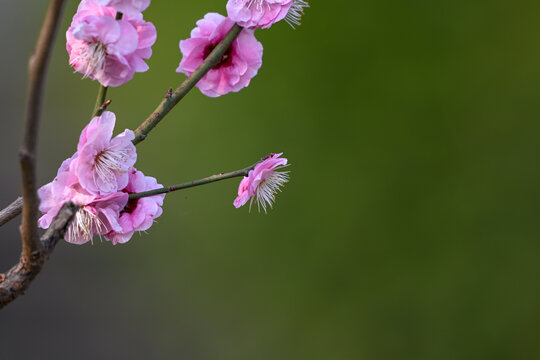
105	105
31	62
26	156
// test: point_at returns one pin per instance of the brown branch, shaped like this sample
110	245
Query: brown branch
18	279
37	70
35	252
11	212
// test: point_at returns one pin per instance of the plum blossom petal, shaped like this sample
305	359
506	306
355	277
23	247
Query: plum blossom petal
237	67
243	193
130	7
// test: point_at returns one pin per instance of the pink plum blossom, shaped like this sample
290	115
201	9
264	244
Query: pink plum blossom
98	215
105	49
264	13
102	162
263	182
129	7
139	214
238	65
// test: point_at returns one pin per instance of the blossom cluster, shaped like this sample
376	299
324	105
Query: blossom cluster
109	41
99	178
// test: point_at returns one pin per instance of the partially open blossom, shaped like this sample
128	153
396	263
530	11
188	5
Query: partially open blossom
139	214
102	162
98	215
263	182
128	7
105	49
238	65
264	13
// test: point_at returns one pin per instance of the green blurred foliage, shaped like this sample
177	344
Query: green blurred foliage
409	229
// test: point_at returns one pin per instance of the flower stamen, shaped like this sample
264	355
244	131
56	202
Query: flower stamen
268	188
295	13
258	3
83	226
92	58
109	163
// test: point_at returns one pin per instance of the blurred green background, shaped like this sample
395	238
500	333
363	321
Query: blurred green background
409	229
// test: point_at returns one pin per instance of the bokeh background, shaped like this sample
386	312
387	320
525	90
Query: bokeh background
409	229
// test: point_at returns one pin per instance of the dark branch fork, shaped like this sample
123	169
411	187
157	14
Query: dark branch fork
19	277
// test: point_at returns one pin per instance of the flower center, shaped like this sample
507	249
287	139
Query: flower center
108	163
92	59
83	226
131	206
226	59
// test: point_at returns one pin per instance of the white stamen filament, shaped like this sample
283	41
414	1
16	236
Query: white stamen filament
268	188
258	3
83	226
295	12
109	163
93	59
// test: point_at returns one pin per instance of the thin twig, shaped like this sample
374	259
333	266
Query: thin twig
11	212
100	101
18	279
100	106
37	70
170	101
207	180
